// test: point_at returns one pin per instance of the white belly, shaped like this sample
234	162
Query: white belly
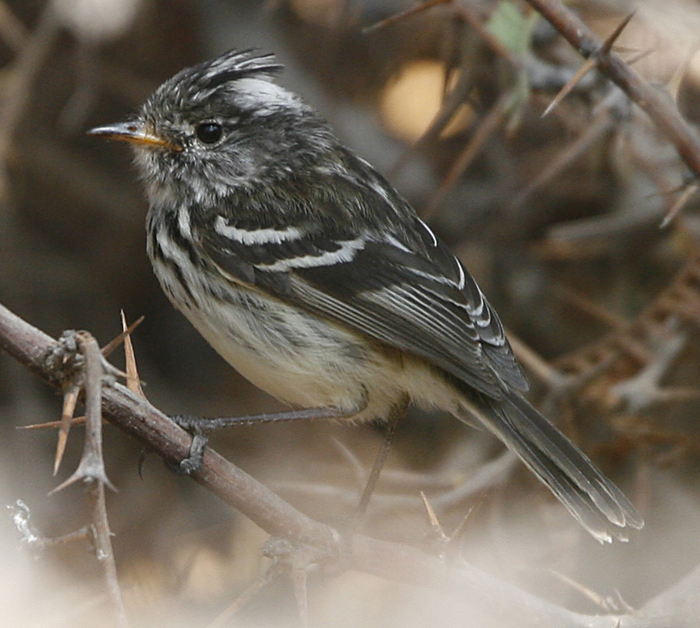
303	360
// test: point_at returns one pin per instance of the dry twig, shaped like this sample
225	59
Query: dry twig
480	592
658	106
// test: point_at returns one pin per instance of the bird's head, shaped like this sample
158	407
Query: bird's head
220	126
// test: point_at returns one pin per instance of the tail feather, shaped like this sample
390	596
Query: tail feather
588	495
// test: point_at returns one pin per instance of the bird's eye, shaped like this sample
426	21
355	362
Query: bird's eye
209	132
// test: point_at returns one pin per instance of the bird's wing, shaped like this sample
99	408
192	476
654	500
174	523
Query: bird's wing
423	302
388	278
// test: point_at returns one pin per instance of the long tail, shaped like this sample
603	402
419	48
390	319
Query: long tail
588	495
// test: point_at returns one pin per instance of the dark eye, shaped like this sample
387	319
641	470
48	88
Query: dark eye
209	132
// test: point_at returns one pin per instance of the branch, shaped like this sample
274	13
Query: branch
484	596
655	102
18	79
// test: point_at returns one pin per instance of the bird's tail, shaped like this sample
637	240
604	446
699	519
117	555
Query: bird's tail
588	495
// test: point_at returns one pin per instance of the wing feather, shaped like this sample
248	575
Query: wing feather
394	282
381	288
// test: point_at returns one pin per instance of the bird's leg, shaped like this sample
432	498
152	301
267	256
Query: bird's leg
357	518
200	426
395	415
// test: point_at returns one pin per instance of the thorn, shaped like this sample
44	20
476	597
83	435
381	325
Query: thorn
458	532
608	43
77	420
625	49
606	603
432	517
70	399
80	474
437	539
392	19
79	535
133	382
680	203
622	604
588	65
113	344
639	56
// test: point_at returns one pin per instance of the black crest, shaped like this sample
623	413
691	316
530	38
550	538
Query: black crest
234	65
196	84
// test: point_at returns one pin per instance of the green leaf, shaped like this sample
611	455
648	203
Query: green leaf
513	29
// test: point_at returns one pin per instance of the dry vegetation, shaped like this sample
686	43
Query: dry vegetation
581	226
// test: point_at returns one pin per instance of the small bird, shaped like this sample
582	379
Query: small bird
312	276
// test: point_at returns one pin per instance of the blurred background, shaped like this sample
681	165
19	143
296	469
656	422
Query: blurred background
559	219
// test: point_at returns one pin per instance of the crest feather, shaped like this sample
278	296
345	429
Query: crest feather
234	65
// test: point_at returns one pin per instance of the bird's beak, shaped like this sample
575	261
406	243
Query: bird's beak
134	132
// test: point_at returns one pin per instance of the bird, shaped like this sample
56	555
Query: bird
310	274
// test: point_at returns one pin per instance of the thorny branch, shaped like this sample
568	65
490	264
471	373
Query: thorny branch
626	349
657	103
91	469
483	595
654	102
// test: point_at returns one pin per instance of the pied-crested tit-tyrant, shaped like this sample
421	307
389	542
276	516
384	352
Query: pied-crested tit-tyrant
314	278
